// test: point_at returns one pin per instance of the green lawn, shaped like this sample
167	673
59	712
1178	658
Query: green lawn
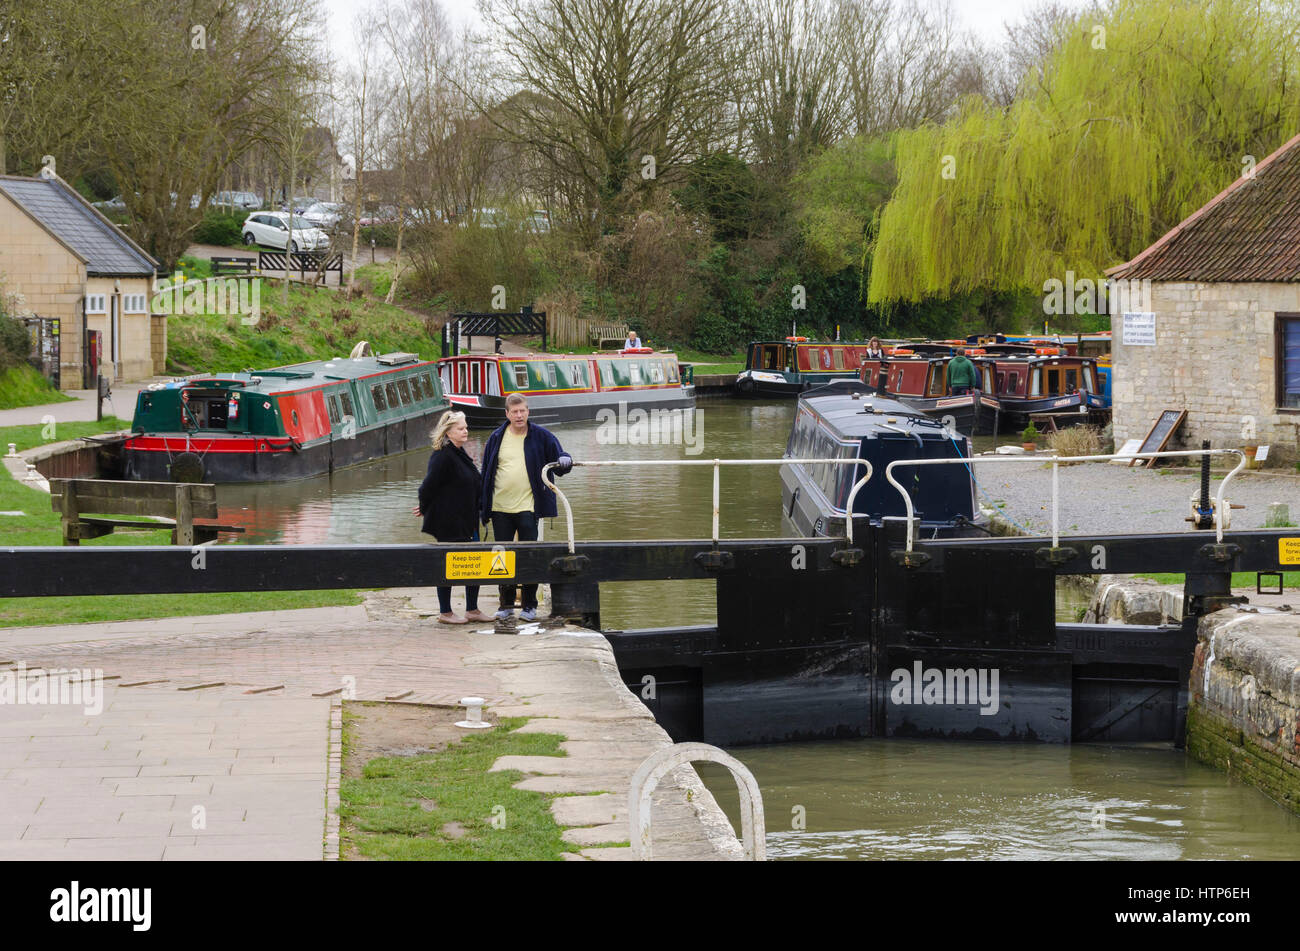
25	386
1240	579
39	525
28	437
401	806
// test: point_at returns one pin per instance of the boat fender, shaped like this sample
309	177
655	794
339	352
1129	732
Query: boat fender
745	384
187	467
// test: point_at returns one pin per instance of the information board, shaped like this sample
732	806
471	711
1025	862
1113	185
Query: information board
1139	330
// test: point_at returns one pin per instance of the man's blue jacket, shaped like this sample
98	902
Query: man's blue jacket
540	447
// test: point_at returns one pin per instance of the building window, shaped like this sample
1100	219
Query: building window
1288	361
134	304
97	303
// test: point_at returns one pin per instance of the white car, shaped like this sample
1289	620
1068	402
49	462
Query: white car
271	228
325	215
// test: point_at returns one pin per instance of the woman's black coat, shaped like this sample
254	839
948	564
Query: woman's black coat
449	495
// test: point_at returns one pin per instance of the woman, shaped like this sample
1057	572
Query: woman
873	349
449	498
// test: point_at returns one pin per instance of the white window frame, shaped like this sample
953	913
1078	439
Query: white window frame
135	304
97	303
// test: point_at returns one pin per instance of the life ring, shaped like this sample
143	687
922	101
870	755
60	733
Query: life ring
1046	351
796	339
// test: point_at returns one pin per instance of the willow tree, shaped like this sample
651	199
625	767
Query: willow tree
1140	116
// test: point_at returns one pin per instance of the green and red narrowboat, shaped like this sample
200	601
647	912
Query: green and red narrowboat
285	423
563	389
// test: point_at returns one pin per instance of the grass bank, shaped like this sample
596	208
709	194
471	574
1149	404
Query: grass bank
39	525
447	805
25	386
1240	579
38	434
317	324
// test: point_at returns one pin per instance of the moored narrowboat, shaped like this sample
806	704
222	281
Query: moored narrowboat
285	423
848	420
921	381
790	366
1048	382
564	388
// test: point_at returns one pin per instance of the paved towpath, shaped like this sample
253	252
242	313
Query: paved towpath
216	733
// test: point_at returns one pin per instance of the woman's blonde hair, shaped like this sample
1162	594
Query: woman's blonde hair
440	431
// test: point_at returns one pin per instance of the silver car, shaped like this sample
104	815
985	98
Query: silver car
271	229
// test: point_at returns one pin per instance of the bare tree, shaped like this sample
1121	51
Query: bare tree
364	107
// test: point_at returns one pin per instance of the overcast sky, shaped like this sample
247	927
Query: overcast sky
984	17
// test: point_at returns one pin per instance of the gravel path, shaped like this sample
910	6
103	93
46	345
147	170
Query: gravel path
1100	498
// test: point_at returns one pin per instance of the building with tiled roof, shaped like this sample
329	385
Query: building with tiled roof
1218	329
63	260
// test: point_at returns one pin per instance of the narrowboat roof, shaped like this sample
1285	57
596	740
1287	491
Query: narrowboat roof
854	409
303	376
608	354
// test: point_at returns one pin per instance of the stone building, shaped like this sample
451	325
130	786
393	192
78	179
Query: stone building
1219	332
61	258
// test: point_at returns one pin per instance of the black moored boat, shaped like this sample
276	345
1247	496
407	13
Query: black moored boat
849	420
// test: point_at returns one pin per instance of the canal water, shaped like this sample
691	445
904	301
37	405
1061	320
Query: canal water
845	799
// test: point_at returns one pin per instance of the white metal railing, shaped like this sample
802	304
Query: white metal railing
716	464
1221	518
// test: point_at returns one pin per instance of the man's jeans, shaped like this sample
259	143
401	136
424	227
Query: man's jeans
505	525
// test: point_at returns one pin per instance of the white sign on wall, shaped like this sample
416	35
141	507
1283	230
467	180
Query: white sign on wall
1139	330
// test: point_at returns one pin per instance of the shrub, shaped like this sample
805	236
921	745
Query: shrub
15	342
1082	440
1029	434
219	227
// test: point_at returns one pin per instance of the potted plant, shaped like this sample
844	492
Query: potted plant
1029	438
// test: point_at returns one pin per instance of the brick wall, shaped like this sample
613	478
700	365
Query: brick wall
1214	356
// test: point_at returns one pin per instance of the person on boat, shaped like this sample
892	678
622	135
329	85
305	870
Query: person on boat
961	374
632	342
449	500
874	351
514	496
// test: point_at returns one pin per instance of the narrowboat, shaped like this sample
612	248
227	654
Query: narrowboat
848	420
921	381
790	366
285	423
564	389
1047	382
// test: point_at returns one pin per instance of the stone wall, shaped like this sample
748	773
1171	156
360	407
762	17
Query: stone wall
1244	711
1215	357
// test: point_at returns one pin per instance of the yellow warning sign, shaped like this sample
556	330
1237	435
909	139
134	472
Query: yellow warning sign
1288	551
477	565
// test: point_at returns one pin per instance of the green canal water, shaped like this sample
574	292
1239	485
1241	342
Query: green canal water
845	799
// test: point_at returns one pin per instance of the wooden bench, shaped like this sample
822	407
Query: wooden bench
608	336
232	265
172	505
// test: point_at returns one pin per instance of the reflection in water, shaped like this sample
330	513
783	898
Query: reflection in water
862	799
915	799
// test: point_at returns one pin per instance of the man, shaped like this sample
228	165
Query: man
514	495
961	374
633	341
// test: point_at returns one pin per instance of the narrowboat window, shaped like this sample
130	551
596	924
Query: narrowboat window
769	358
347	404
474	385
672	372
420	386
333	404
293	415
937	373
390	391
656	373
577	375
634	372
377	394
552	375
404	392
521	375
1012	382
1071	380
1089	381
839	358
462	378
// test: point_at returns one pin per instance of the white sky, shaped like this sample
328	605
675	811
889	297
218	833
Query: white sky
984	17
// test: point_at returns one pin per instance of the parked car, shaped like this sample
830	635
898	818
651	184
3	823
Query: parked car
324	214
383	215
116	203
246	200
539	222
271	228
